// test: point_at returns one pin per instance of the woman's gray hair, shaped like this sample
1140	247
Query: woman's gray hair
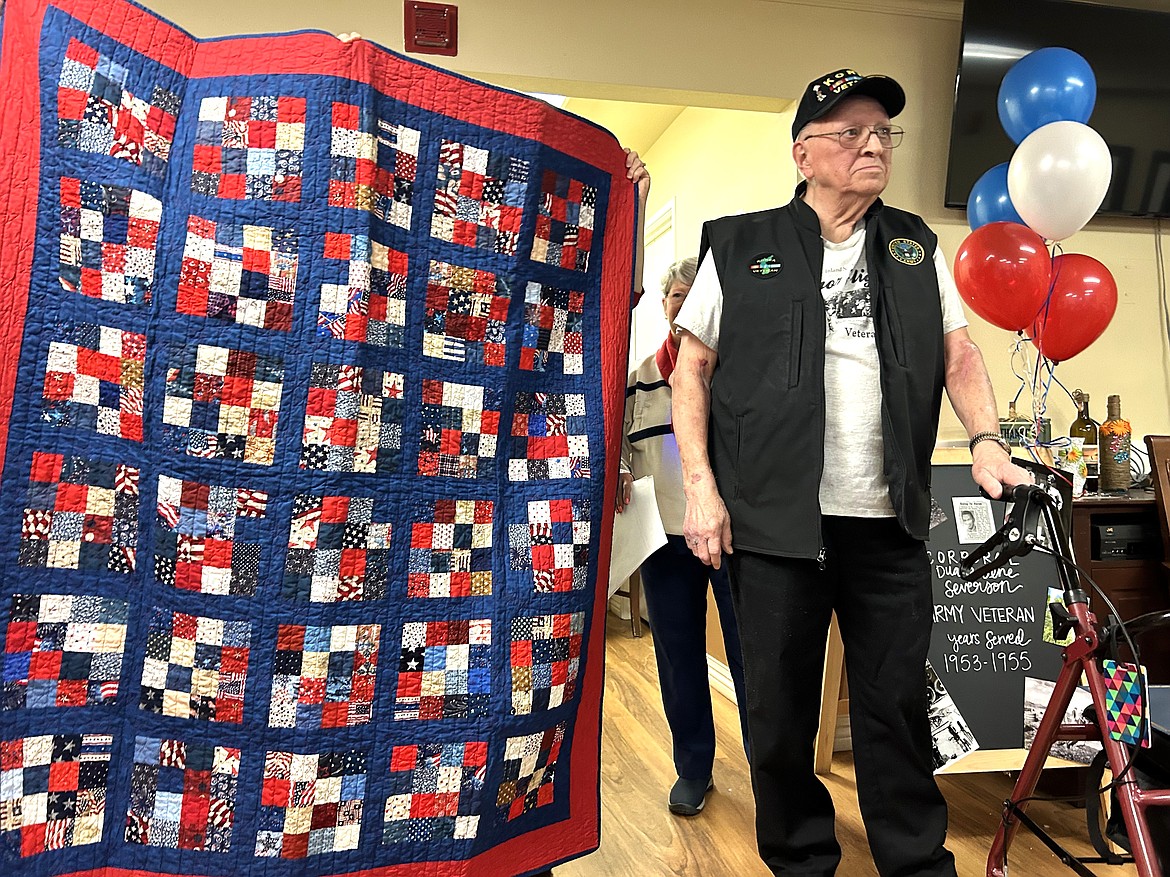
683	271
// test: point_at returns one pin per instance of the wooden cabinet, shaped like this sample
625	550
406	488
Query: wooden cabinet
1117	540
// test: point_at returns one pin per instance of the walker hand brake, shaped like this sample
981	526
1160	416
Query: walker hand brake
1015	538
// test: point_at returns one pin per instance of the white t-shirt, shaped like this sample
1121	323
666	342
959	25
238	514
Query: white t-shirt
852	483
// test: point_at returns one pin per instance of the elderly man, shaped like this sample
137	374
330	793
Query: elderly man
817	340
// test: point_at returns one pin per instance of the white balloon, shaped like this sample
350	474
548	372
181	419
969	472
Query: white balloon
1058	177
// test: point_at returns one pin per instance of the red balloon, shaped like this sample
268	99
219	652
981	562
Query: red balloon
1003	270
1084	298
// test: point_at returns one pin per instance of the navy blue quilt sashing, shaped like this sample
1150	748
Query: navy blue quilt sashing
311	379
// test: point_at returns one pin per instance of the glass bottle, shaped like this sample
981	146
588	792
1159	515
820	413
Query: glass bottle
1115	435
1085	427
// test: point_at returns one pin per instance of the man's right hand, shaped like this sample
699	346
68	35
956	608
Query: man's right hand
706	524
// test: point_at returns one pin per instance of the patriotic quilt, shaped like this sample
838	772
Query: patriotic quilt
312	378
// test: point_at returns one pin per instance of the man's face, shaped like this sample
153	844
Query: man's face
862	170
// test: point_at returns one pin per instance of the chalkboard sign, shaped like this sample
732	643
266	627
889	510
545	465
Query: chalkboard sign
988	634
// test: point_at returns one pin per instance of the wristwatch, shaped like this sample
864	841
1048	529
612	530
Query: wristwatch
989	437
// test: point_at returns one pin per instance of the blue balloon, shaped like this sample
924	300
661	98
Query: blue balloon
1047	85
989	200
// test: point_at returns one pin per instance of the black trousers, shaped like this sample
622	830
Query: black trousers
878	580
675	583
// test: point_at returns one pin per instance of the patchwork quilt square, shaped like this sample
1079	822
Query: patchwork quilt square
353	422
222	403
530	764
53	790
207	537
311	804
545	659
467	310
554	544
372	164
63	650
336	550
97	113
323	677
460	427
564	223
250	148
369	304
81	514
195	667
183	794
94	378
451	549
238	273
445	670
479	200
552	324
435	790
549	437
108	239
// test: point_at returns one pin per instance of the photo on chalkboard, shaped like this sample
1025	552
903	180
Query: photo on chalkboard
937	514
1055	595
952	738
974	522
1037	694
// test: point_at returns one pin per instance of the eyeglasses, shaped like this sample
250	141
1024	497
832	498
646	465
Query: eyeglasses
889	136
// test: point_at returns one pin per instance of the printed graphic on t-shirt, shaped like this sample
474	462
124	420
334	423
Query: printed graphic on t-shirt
847	303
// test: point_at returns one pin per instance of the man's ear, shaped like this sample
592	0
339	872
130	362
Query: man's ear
800	155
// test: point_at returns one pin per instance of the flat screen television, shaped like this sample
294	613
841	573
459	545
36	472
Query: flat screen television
1127	49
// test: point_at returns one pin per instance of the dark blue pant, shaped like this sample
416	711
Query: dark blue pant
674	583
878	580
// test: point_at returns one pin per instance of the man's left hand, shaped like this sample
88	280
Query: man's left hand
993	470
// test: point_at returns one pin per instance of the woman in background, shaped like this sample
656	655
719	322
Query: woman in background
674	581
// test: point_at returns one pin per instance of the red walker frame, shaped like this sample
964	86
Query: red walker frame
1082	656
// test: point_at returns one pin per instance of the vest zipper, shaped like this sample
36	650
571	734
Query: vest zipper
821	558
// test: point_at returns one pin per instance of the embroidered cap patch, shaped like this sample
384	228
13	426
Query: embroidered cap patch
906	251
765	265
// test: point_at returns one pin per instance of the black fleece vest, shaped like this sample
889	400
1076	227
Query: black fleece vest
766	434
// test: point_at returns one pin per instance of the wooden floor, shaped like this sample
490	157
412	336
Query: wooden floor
639	836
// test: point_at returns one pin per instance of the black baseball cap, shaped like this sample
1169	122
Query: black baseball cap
827	91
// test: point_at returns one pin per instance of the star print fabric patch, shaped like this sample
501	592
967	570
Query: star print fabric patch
53	792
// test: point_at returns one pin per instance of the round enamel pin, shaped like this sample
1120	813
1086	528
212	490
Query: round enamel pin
906	251
765	265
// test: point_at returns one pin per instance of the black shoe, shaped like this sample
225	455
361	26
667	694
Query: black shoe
687	797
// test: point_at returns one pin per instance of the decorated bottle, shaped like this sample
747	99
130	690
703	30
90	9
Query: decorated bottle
1114	441
1085	427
